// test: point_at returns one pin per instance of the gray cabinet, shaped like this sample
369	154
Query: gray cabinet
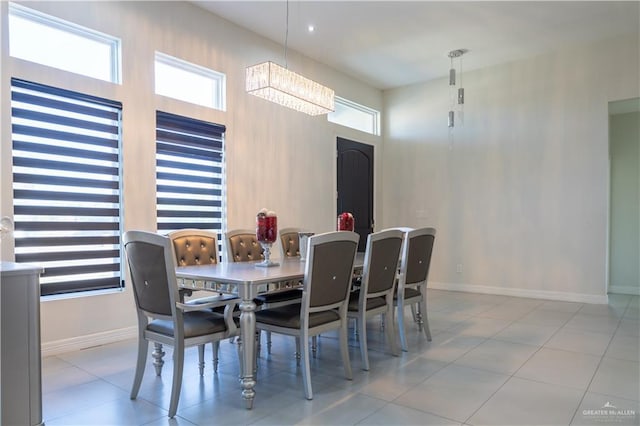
21	391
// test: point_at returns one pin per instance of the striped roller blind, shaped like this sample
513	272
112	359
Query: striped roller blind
66	186
189	173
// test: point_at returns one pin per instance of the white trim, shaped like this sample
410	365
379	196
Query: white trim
522	292
373	114
114	43
219	80
87	341
625	289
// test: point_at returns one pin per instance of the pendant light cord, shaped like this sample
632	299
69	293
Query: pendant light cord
286	38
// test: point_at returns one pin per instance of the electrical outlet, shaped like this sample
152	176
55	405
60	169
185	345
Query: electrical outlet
459	268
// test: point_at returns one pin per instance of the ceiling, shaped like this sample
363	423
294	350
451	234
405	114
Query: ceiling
395	43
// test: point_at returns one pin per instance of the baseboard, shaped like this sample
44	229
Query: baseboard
625	289
84	342
521	292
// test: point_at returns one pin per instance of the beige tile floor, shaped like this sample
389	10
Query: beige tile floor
494	360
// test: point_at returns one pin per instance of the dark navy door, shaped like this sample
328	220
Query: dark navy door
355	185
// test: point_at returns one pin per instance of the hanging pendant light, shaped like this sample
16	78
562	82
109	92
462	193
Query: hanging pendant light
452	83
277	84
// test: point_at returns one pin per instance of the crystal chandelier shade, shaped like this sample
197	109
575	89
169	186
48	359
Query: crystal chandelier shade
277	84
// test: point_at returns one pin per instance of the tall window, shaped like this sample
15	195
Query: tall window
356	116
66	186
189	173
46	40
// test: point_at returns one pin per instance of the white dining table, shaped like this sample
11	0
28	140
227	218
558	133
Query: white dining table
247	280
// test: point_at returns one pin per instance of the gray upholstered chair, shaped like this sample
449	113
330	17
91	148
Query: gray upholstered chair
289	241
194	247
325	298
412	282
376	292
243	246
162	317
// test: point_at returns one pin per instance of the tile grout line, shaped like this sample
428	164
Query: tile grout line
519	368
595	371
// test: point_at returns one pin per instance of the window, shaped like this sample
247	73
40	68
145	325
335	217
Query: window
36	37
356	116
66	186
188	82
189	173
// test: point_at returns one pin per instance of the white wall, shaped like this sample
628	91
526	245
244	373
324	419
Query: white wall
521	199
276	157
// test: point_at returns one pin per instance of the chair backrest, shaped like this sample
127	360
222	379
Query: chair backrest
152	268
381	260
290	241
195	247
416	255
329	269
243	246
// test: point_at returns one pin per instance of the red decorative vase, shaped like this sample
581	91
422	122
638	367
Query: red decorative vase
266	234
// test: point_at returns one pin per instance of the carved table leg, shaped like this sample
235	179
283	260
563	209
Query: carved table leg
248	331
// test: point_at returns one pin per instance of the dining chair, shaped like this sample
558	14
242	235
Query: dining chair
377	286
412	282
290	242
161	316
243	246
194	247
290	248
325	298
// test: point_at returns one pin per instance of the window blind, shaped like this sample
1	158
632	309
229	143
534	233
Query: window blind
189	173
66	186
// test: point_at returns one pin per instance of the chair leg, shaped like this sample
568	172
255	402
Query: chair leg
239	351
306	370
157	355
257	352
201	359
178	364
424	321
390	331
403	338
297	354
268	342
239	348
362	331
344	350
215	346
415	314
259	343
314	345
143	348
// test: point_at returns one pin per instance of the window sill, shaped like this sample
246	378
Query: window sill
81	294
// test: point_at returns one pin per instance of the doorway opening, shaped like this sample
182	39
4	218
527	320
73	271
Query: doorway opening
624	197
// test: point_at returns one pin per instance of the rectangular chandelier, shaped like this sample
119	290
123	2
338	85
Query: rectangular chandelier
277	84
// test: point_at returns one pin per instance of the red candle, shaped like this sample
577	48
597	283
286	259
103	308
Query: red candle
271	228
266	226
346	222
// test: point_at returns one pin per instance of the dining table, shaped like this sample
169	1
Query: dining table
247	280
